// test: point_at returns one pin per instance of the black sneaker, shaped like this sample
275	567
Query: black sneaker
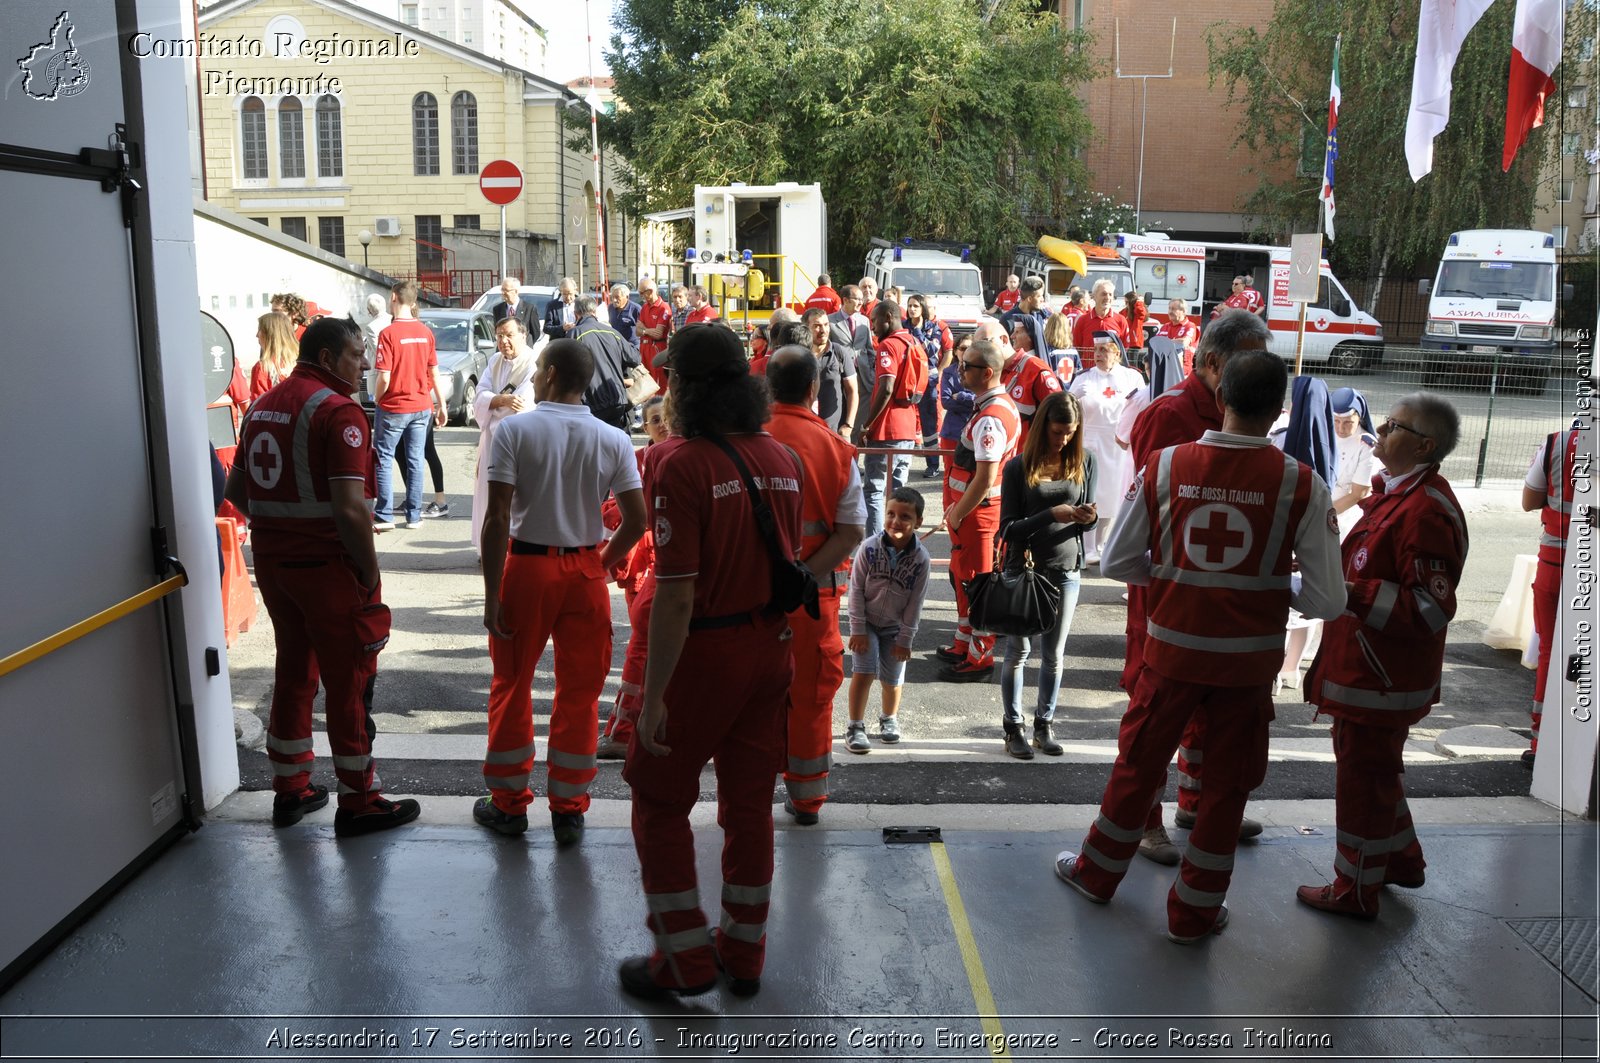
804	819
950	656
739	987
488	814
287	809
636	979
567	827
381	815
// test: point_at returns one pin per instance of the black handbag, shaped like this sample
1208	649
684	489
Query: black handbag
793	585
1020	603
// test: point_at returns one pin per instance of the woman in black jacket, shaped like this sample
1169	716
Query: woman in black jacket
1046	503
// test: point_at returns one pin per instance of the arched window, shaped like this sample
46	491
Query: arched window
330	138
253	139
464	133
424	135
291	138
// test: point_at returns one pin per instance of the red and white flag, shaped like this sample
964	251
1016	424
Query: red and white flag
1535	51
1442	26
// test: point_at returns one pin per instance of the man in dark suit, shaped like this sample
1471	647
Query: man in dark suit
511	292
560	315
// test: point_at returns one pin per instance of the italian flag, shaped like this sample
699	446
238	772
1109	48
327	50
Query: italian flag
1332	147
1535	51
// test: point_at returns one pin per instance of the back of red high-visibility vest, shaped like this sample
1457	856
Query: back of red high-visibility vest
290	509
1561	451
1223	521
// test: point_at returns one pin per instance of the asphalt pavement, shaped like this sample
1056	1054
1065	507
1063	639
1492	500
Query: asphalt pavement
434	676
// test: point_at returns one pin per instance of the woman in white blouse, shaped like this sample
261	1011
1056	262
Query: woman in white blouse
506	389
1102	390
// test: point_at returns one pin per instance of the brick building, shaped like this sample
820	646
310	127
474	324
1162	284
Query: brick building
1195	178
324	120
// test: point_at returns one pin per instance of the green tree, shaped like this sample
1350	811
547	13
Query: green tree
1385	222
917	117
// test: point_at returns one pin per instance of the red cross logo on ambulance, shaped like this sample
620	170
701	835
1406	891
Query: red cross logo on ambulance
1321	323
266	461
1217	538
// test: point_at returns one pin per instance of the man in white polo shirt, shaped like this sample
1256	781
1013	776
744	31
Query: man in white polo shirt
550	471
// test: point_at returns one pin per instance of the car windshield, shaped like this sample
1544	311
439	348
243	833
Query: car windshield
1120	281
960	282
449	334
1496	280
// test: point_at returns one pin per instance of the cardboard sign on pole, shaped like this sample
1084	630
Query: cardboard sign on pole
1305	273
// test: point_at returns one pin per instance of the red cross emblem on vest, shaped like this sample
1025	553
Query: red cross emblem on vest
1217	537
266	461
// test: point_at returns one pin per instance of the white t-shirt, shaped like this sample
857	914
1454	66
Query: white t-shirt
562	464
852	507
1539	472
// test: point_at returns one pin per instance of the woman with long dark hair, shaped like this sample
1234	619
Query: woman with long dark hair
1046	504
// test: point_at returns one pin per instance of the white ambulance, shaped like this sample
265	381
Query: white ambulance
1337	331
1493	303
941	271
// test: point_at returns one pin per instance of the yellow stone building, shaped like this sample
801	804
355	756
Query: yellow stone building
325	121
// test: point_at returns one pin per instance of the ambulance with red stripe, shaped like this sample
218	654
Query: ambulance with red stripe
1201	273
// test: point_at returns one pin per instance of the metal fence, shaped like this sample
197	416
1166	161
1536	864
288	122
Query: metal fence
1507	405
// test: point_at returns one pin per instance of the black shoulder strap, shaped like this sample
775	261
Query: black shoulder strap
764	518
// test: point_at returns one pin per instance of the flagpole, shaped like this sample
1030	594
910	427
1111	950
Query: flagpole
1331	144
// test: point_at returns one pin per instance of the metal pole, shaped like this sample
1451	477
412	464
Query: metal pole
594	142
1488	420
502	241
1144	117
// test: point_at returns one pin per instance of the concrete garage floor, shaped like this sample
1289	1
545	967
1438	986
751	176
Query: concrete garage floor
241	938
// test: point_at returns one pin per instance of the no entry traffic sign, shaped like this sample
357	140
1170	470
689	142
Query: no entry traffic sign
500	182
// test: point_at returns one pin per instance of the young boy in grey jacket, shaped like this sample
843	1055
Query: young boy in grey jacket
888	582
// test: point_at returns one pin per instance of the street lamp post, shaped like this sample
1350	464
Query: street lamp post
365	236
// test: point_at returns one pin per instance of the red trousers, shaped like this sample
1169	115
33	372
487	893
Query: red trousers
1376	838
323	623
972	553
1546	600
948	458
818	672
630	689
1158	713
1191	750
560	598
727	702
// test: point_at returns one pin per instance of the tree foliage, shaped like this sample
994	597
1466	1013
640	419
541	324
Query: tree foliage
915	116
1280	76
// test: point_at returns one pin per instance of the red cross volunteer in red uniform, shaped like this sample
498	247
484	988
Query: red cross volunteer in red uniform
1214	529
1380	664
550	473
1027	377
823	297
655	323
304	479
1182	415
719	670
1102	316
1549	488
986	444
1243	297
834	517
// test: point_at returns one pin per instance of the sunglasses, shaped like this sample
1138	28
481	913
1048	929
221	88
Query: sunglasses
1386	427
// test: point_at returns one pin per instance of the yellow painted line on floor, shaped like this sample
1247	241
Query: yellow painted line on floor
981	995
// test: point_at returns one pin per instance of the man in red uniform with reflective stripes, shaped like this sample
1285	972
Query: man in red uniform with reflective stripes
1380	664
1214	529
1182	415
1243	297
550	473
834	516
718	676
1027	377
1548	488
986	444
303	477
823	297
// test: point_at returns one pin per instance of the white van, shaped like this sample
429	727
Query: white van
921	268
1493	302
1337	331
1064	263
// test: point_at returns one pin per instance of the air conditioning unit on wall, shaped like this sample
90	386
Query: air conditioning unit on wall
387	226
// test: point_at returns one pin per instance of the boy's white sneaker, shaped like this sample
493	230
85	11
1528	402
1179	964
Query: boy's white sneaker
888	730
855	738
